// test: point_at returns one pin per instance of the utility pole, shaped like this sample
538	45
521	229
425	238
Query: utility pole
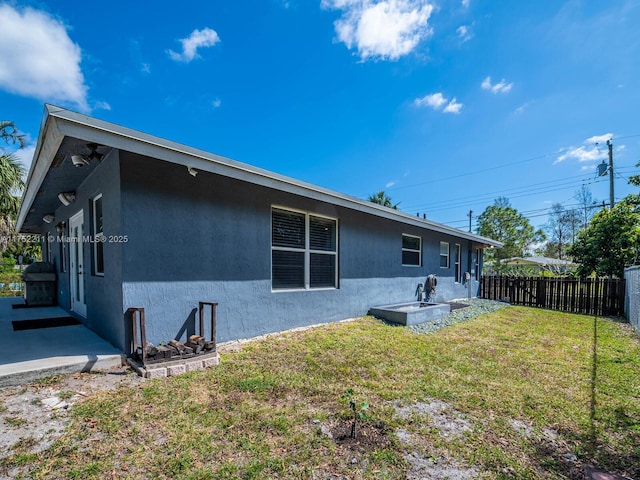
470	216
611	196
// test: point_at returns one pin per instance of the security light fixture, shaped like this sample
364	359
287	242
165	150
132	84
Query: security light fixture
67	198
48	218
60	227
192	171
79	161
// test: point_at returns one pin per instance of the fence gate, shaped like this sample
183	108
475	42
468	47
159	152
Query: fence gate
589	296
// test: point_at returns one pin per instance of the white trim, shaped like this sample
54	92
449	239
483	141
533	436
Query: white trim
457	263
448	254
307	251
412	250
96	236
76	265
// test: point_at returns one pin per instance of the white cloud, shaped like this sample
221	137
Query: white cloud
520	110
145	68
38	59
501	87
100	105
582	154
190	45
590	151
390	184
25	156
465	3
216	103
434	100
386	29
599	138
464	33
453	106
437	101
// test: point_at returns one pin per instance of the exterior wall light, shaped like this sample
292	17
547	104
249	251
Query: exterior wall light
67	198
79	161
48	218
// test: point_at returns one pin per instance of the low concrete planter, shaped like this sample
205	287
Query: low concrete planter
412	313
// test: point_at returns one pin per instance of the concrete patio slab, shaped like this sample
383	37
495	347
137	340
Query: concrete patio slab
28	355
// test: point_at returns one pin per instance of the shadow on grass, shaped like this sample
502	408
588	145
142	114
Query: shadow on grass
597	451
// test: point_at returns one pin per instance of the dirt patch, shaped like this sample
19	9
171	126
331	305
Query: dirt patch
449	422
368	437
437	469
33	416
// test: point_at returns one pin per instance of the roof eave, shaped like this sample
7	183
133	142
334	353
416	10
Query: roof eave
59	123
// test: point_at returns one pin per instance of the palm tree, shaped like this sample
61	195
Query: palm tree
9	133
11	184
383	199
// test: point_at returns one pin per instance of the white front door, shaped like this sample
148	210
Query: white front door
76	261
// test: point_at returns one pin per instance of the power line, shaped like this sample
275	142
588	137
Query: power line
516	192
587	180
539	212
453	177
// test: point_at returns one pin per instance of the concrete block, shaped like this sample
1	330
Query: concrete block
194	365
156	373
176	370
211	361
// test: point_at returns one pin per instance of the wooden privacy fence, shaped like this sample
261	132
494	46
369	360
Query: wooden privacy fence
589	296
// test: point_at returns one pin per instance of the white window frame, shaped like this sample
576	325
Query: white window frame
419	251
307	250
97	236
458	263
447	255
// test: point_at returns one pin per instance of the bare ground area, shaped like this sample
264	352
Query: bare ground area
35	415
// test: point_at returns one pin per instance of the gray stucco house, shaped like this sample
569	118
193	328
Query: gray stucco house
132	220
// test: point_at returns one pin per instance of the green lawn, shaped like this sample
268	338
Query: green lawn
522	380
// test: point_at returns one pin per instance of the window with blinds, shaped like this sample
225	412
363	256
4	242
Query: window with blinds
304	250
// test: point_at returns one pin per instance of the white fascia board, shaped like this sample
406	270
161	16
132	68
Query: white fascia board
94	130
49	141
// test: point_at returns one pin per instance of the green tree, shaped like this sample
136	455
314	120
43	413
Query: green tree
504	223
610	242
634	198
383	199
11	182
9	133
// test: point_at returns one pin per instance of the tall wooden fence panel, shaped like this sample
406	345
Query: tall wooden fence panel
589	296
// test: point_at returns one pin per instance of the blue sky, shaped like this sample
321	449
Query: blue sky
445	105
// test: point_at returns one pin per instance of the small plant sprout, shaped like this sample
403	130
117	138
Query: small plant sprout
358	410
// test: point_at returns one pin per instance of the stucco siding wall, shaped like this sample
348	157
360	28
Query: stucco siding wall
103	295
208	238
